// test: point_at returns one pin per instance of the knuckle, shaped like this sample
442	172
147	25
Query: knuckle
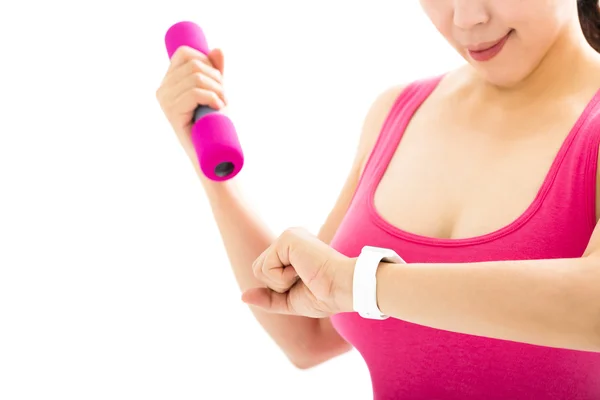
263	264
200	96
214	97
279	289
256	270
196	65
218	74
214	101
182	53
257	266
293	232
197	94
198	79
289	232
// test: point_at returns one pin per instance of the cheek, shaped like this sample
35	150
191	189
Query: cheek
523	53
538	22
535	35
439	13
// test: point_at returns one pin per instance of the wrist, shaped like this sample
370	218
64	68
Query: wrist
216	188
344	285
383	276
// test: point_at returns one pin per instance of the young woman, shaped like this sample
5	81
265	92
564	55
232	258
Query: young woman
483	180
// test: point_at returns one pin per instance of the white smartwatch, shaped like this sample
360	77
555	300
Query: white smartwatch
364	284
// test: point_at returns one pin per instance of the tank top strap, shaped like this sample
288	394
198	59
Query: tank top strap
398	118
573	183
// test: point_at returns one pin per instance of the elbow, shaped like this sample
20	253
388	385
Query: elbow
308	357
304	364
323	344
303	360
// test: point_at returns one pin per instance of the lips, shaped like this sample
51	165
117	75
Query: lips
486	45
488	50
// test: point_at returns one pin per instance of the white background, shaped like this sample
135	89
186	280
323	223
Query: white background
113	280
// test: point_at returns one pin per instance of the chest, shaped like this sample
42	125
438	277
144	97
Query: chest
457	176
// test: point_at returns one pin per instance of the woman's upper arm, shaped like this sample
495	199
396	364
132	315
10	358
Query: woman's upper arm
372	124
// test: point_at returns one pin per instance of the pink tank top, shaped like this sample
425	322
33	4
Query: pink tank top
408	361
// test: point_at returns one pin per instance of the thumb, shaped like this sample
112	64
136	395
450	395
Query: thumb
216	58
268	300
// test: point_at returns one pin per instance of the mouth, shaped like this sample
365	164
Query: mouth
488	50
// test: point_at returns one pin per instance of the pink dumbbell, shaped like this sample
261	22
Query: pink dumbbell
214	137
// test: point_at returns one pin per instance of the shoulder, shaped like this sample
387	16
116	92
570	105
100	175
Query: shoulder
380	109
375	118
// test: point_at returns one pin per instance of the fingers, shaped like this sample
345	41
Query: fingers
195	67
274	266
297	301
268	300
191	98
274	271
296	254
187	61
190	81
190	92
185	54
195	74
304	251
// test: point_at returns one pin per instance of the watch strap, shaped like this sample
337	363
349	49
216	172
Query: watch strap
364	284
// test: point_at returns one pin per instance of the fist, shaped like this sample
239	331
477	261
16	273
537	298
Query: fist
303	276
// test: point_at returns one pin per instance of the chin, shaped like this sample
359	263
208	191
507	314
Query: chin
507	69
503	77
503	80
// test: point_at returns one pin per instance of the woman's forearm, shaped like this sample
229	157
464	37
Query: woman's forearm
306	341
553	303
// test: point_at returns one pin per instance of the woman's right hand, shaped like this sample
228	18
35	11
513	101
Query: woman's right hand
192	79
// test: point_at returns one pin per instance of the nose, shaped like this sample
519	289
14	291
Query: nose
469	13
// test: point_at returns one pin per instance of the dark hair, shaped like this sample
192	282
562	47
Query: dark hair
589	17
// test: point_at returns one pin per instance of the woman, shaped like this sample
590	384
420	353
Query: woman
483	180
